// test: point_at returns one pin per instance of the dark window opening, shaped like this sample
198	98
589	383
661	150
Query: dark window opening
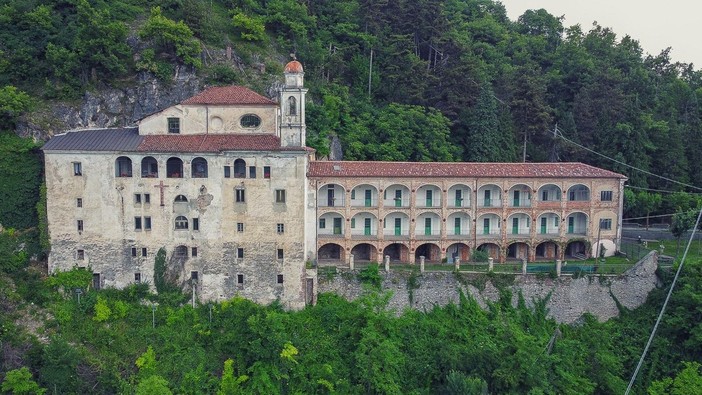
227	171
280	253
77	169
147	223
193	252
181	252
96	281
181	223
174	125
134	251
196	223
137	223
79	202
79	225
149	167
199	168
174	168
239	278
181	199
239	168
143	251
266	172
252	171
239	226
280	195
194	275
250	121
240	196
280	279
123	167
240	252
80	255
137	277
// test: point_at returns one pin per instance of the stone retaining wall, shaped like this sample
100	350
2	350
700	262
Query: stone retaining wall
568	298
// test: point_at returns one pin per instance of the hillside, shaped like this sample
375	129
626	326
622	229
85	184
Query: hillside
396	80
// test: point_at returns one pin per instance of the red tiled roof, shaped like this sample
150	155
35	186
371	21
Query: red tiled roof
228	95
456	169
213	143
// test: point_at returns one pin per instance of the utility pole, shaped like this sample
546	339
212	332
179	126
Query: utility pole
370	73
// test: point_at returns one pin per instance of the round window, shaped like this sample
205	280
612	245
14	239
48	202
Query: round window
250	121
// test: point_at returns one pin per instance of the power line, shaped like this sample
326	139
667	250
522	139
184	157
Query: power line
665	304
659	190
558	132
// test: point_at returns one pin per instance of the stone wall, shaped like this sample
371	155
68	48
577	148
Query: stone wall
568	298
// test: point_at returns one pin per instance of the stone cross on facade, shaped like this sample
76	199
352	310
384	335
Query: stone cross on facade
161	186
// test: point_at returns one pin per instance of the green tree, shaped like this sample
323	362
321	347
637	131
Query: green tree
687	382
19	382
13	103
171	38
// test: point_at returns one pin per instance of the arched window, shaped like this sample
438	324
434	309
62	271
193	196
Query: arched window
292	106
199	168
174	168
123	167
181	252
250	121
239	168
181	222
181	199
149	167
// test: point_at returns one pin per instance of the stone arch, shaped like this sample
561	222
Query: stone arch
430	251
493	224
518	250
398	252
391	222
428	224
519	195
180	252
181	222
364	195
292	106
547	250
549	193
364	224
458	224
576	223
492	249
458	195
180	199
578	193
331	252
577	249
458	250
428	195
331	195
331	223
548	223
364	252
123	167
490	195
519	224
396	195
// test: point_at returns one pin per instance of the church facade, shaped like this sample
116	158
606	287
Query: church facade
224	184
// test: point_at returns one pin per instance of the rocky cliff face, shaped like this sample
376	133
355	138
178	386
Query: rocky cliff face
111	107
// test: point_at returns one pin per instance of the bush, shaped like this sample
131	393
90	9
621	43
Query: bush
371	276
480	256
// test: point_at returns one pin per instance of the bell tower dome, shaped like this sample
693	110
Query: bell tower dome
292	106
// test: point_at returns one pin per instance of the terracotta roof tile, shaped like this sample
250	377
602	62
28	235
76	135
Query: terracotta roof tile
457	169
228	95
293	67
213	143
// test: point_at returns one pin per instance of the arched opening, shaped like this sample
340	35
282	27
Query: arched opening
488	225
459	196
149	167
576	250
518	251
181	252
181	223
458	225
292	106
199	168
330	253
550	193
519	225
398	253
458	251
578	193
174	168
123	167
364	252
428	196
330	225
364	225
364	196
239	168
180	199
489	195
430	252
548	224
396	225
492	250
396	195
577	224
428	225
331	195
520	196
547	250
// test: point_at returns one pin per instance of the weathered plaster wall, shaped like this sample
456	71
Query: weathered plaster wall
568	299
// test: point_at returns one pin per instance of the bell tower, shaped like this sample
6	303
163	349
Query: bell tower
292	106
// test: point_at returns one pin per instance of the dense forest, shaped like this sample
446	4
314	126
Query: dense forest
423	80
